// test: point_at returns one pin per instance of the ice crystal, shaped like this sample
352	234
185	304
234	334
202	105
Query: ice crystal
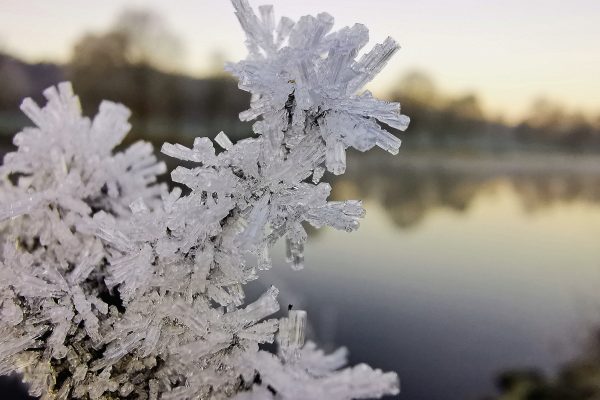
64	170
301	371
305	80
113	286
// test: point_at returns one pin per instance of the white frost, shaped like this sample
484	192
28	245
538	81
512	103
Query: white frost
122	288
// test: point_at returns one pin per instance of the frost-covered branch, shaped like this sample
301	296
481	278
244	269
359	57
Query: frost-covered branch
114	286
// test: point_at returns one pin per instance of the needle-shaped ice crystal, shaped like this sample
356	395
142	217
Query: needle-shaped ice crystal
307	81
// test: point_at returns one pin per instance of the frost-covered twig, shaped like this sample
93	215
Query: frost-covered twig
113	286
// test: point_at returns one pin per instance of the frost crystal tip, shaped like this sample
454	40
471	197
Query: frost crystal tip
306	80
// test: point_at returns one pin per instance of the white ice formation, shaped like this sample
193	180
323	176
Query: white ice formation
114	287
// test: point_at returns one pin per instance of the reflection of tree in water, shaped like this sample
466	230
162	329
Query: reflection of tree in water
577	380
410	187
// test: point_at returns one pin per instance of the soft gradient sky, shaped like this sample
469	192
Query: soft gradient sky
509	52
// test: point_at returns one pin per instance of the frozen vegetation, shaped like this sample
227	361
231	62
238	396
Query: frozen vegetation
113	286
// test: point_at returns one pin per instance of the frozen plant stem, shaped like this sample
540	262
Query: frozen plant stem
113	286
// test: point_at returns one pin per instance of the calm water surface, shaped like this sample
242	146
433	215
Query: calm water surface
460	270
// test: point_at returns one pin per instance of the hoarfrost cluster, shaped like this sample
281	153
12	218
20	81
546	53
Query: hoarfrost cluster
113	286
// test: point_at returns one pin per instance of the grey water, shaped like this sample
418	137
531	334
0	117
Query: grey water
463	267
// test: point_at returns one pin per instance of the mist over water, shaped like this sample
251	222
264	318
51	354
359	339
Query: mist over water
462	268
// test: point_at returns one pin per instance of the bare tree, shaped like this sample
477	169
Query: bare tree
149	40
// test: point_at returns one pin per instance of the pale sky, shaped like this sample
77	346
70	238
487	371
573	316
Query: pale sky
509	52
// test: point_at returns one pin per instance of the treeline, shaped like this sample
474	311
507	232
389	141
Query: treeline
133	61
164	106
458	122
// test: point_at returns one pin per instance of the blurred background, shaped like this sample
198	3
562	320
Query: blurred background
475	272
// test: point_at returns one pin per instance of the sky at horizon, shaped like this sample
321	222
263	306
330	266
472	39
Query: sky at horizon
508	53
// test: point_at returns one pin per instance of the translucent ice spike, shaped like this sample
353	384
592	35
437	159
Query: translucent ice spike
318	174
223	141
335	157
263	307
291	334
318	362
110	125
295	254
61	103
267	16
343	215
296	237
283	29
388	142
255	223
371	63
310	30
203	151
258	33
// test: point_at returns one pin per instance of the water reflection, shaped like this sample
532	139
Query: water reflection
576	380
498	270
409	187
